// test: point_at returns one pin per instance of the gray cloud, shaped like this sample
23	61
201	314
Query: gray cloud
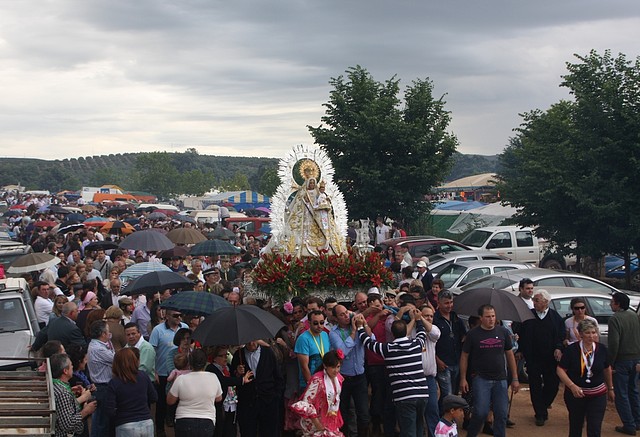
245	78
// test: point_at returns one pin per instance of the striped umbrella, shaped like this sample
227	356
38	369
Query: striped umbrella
137	270
96	222
197	303
213	247
118	228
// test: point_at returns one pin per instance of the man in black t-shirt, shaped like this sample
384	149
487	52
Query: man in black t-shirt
489	347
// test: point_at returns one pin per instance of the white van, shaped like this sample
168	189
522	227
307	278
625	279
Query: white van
18	323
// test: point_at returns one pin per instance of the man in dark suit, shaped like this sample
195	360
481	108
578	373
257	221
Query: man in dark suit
541	344
64	328
259	403
424	274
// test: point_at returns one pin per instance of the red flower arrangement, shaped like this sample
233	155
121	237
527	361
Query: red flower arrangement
282	277
340	354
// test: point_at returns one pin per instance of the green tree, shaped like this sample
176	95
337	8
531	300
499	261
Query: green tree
573	169
387	154
269	182
156	174
196	182
239	182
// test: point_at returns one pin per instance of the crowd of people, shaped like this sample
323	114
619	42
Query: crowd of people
386	363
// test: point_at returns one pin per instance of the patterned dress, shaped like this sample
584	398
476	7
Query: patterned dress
316	402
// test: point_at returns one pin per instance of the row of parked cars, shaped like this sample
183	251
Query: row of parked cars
463	269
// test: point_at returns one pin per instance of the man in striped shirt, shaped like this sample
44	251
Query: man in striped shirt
403	360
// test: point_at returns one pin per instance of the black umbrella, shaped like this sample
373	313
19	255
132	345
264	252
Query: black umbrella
57	209
118	211
66	227
184	218
181	251
198	303
156	281
12	212
75	217
507	305
213	247
157	216
100	245
237	325
148	240
222	233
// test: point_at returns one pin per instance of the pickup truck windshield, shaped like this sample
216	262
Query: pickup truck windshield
476	238
12	317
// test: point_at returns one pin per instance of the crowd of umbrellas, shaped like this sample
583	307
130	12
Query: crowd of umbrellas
222	324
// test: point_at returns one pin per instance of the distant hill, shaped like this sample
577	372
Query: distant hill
468	165
120	169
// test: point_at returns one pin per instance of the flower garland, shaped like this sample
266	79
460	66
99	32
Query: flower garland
282	277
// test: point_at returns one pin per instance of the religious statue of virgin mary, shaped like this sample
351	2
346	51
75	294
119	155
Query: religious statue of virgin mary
308	212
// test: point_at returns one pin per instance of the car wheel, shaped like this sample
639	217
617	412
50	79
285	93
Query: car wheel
552	264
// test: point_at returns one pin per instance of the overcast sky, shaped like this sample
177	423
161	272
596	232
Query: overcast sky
245	78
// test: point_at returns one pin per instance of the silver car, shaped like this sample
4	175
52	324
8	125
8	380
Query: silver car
441	260
598	306
545	278
463	272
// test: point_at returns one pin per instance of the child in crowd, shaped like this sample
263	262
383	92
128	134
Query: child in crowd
453	407
181	361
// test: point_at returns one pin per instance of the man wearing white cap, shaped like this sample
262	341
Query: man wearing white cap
424	275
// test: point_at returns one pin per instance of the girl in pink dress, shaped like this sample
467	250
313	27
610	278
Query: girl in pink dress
319	407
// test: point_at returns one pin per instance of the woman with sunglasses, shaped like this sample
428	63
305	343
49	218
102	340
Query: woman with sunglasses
579	309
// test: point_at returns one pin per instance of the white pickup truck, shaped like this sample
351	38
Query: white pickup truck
517	244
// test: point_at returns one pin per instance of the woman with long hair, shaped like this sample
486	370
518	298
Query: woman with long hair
130	392
319	407
56	311
579	310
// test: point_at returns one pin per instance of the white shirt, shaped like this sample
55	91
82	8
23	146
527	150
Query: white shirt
197	392
43	308
252	359
529	302
381	233
543	314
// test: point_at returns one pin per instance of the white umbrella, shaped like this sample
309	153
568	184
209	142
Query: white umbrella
33	262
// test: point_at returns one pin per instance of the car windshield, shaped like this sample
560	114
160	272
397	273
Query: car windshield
490	281
12	317
476	238
451	274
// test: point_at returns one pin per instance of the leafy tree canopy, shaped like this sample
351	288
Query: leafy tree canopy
573	169
387	153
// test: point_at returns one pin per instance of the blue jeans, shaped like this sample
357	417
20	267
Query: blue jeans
144	428
489	393
448	380
99	419
431	410
410	414
625	384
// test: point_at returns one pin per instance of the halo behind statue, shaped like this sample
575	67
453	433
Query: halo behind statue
305	162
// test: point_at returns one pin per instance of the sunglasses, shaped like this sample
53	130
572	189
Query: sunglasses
317	323
579	308
176	316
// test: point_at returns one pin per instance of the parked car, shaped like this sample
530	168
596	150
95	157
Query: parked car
18	323
545	278
424	245
464	272
10	250
615	268
439	261
517	244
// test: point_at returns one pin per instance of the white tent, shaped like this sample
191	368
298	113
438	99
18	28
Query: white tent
489	215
